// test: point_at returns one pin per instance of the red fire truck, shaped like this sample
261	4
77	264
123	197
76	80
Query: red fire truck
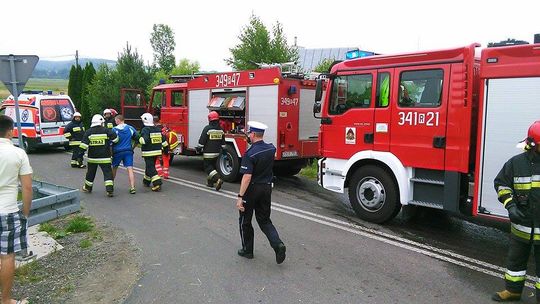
282	101
426	129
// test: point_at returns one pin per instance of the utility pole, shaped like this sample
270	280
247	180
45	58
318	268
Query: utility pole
76	58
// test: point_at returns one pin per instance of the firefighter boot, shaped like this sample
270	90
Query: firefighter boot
280	253
209	182
243	253
218	184
86	189
506	296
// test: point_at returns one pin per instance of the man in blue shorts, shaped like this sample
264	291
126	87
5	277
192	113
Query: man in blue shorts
14	167
123	150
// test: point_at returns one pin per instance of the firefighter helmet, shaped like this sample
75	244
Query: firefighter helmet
77	114
113	112
533	135
213	116
107	111
147	119
97	120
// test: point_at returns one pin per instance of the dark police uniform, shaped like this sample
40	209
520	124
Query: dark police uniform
98	142
258	161
152	143
74	132
212	140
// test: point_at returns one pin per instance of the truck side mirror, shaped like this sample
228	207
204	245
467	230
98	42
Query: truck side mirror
318	90
316	108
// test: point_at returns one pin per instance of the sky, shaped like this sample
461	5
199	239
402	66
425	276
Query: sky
206	30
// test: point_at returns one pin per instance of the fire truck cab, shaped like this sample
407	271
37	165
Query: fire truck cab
43	118
280	100
426	129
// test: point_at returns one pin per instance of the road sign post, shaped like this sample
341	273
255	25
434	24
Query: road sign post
14	73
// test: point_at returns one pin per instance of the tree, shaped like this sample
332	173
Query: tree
101	90
131	72
163	44
89	74
75	85
184	67
258	46
324	65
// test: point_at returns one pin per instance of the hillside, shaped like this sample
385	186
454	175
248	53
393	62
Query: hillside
60	69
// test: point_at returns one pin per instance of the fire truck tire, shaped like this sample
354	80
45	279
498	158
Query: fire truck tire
373	194
228	165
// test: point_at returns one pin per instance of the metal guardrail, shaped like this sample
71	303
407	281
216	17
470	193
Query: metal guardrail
51	201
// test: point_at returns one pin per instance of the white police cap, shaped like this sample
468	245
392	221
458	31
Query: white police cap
257	127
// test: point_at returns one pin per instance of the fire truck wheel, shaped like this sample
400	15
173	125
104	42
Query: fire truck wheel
374	195
26	146
228	165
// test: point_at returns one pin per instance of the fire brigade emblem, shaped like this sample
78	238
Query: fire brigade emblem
25	115
350	136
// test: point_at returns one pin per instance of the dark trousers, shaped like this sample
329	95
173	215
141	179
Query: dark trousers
518	256
77	156
150	173
107	176
210	169
258	200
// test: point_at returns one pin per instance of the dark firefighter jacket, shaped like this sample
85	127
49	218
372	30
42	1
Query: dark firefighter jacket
212	140
98	142
152	141
519	182
74	132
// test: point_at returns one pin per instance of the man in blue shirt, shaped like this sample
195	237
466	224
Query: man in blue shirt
255	193
123	150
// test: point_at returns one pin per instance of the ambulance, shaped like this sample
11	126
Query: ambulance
43	118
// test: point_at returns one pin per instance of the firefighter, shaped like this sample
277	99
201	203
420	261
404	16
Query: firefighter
109	119
152	143
74	132
98	141
211	143
255	193
518	189
163	162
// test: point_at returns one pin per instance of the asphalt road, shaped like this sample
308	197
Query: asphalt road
188	235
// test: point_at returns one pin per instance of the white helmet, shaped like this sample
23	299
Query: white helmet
77	114
107	111
147	119
97	120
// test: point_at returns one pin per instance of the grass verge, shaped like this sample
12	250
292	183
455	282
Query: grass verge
310	171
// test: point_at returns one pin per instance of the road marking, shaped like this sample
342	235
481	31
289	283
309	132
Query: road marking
433	252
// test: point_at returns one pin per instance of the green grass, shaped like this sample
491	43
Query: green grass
310	171
85	243
42	84
80	224
27	273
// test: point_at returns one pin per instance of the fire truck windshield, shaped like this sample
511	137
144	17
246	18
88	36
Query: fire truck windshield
350	91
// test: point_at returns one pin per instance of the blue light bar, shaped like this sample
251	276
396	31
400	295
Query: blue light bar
353	54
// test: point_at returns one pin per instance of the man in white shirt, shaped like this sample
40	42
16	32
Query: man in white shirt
14	166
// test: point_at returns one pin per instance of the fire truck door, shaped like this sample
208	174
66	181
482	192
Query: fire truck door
418	119
349	128
174	113
133	105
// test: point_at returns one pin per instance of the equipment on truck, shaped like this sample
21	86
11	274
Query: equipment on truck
425	129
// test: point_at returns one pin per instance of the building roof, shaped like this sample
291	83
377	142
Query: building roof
310	58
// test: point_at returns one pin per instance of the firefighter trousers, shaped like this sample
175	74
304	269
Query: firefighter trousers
107	176
518	255
162	165
77	156
258	200
210	169
150	173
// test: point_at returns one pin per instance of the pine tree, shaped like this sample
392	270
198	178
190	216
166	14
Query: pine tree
88	76
73	78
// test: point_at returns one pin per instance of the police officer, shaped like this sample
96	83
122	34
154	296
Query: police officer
152	143
74	132
98	140
518	189
256	191
211	142
109	119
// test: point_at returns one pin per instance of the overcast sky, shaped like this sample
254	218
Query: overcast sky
205	30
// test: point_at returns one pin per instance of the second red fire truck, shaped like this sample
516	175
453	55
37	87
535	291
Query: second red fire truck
427	128
280	100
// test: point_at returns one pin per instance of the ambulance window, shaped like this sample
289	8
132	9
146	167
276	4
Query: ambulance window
177	98
56	110
350	91
383	90
420	89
